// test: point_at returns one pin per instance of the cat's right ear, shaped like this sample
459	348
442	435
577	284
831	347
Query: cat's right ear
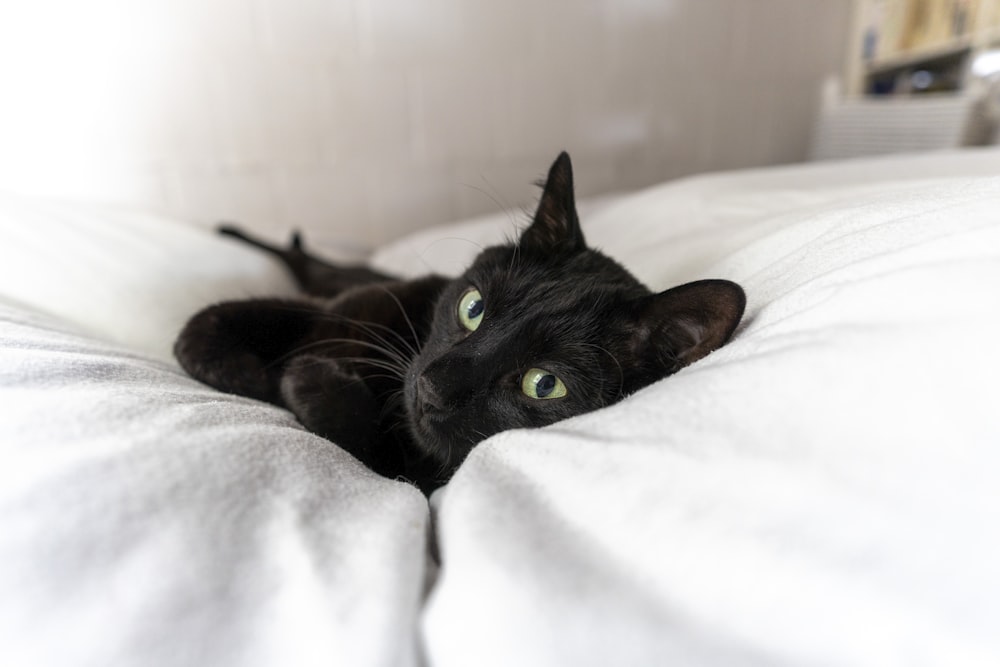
556	227
241	347
681	325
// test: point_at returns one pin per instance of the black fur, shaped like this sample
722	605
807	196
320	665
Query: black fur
385	369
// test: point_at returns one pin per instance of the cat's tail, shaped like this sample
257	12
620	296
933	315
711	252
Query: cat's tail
313	275
229	229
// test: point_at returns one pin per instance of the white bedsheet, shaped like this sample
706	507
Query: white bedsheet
823	490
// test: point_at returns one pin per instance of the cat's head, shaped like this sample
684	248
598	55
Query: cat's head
547	328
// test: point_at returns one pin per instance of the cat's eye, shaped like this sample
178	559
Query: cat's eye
470	309
539	383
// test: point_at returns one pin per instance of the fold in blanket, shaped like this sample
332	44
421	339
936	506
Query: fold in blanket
820	491
148	520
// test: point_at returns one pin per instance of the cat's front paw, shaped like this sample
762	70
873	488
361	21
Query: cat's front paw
332	402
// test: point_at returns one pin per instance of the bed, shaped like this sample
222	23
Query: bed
823	490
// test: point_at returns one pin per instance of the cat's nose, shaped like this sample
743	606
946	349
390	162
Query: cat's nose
429	398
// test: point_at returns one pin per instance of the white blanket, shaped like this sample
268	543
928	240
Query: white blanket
147	520
820	491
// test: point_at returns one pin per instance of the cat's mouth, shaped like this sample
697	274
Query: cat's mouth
430	424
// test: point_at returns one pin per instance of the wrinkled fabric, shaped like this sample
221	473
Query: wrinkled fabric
822	490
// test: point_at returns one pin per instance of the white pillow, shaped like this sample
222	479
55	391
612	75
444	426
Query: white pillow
125	276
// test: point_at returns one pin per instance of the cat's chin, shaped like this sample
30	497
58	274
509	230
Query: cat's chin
441	452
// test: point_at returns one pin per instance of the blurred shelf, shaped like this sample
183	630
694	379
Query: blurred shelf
952	47
947	34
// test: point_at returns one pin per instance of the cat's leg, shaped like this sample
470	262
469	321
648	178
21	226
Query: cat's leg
241	347
333	401
313	275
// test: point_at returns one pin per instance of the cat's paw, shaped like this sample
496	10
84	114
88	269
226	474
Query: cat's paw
331	401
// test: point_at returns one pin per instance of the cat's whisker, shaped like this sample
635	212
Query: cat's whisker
515	243
399	355
386	364
390	354
406	316
453	238
379	376
513	257
392	361
494	196
441	471
398	425
367	327
398	373
393	398
394	373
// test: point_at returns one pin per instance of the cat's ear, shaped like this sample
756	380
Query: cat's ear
556	227
683	324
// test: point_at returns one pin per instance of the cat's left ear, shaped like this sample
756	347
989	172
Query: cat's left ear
556	227
683	324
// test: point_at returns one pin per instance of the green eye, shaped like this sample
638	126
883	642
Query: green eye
538	383
470	309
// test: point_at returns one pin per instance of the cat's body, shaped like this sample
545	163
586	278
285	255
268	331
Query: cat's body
409	375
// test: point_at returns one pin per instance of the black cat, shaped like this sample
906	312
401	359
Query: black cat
408	375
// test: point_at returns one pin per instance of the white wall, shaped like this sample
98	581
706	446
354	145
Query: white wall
363	119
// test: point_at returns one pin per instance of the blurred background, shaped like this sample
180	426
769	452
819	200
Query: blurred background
361	120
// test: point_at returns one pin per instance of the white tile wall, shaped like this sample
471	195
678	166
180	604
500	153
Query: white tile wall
360	120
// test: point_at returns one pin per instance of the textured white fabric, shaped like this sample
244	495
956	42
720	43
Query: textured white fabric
126	276
823	490
820	491
148	520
